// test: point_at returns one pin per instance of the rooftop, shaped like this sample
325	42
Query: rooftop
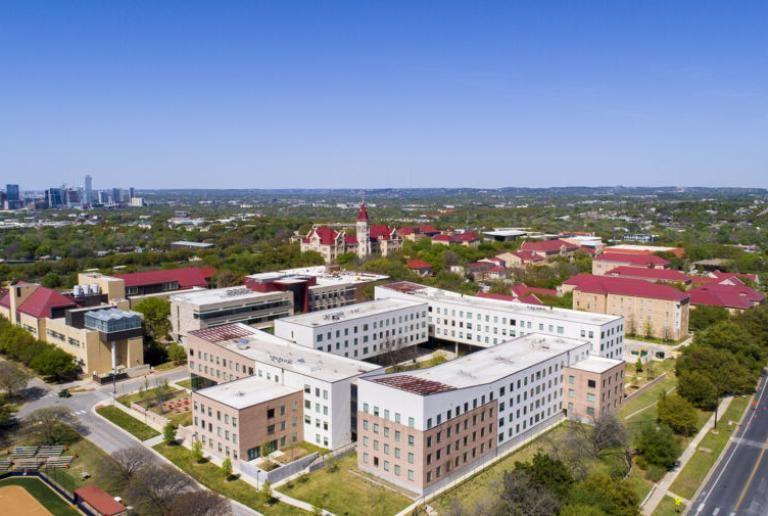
351	312
322	275
266	348
204	296
625	287
646	260
187	277
112	314
649	274
595	364
484	366
246	392
519	309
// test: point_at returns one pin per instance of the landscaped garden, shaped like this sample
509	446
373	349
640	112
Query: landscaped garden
164	400
297	451
341	488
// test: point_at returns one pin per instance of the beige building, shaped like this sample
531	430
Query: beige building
248	418
649	309
592	387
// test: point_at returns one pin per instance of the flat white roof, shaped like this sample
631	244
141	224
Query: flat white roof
519	309
594	364
266	348
490	364
504	232
324	278
352	312
204	296
246	392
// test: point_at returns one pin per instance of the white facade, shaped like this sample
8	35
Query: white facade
360	331
487	322
206	308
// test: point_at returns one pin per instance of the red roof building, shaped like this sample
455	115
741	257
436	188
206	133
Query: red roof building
420	266
730	293
610	260
466	238
529	299
44	302
166	280
547	248
653	275
521	289
99	501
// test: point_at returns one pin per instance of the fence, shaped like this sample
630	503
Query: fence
644	387
277	474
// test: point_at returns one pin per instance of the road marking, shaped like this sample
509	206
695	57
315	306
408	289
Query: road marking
717	510
733	451
751	478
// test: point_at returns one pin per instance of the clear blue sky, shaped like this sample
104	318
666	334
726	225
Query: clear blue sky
377	94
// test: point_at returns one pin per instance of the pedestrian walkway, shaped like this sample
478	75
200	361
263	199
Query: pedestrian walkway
662	488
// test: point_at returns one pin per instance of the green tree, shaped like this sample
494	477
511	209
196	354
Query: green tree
658	446
177	353
156	312
197	450
51	280
54	363
703	316
7	412
678	413
226	467
266	492
600	492
551	473
12	378
639	365
169	433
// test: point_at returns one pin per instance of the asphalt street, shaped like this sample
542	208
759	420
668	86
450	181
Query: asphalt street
739	485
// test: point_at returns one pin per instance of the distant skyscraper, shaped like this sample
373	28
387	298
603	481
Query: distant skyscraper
12	192
54	197
88	189
132	193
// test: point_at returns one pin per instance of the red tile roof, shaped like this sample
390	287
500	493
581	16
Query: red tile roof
5	298
625	287
187	277
719	275
649	274
381	232
413	384
424	230
327	235
100	500
362	213
726	296
529	299
548	246
442	238
521	289
646	260
418	264
43	300
528	256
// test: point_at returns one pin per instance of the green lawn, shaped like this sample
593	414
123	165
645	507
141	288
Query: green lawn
48	498
346	491
88	458
135	427
166	366
692	475
647	398
187	384
213	478
299	450
667	507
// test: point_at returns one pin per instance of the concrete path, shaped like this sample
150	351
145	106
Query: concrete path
661	489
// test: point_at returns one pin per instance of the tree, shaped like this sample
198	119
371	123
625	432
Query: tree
678	413
610	434
639	365
696	387
156	312
169	433
51	280
125	464
177	353
200	503
522	495
54	363
602	493
550	473
581	509
657	445
197	450
648	329
52	425
7	413
156	489
703	316
266	492
226	467
12	378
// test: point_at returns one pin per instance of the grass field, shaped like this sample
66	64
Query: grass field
667	507
640	403
41	492
692	475
132	425
213	478
187	384
346	491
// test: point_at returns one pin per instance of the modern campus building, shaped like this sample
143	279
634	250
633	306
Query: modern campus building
360	331
648	309
232	352
203	308
483	322
422	429
315	288
102	337
610	260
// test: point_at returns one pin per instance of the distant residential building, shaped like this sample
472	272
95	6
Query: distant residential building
727	292
520	259
416	233
465	238
648	309
652	275
360	331
420	267
204	308
549	248
375	239
645	249
504	234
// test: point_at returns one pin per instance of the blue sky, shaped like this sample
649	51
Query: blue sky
383	94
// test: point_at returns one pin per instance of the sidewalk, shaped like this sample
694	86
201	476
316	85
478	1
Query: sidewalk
661	489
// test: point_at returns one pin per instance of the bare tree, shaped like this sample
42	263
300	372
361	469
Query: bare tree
200	503
524	497
153	492
125	464
52	425
574	449
611	434
12	378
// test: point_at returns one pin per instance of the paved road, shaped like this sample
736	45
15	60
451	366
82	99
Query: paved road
739	485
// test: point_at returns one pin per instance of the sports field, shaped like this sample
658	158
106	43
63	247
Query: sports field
30	496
